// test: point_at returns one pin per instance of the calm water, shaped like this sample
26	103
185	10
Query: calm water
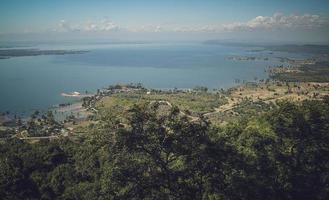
29	83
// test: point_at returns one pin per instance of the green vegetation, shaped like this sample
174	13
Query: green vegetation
281	153
196	102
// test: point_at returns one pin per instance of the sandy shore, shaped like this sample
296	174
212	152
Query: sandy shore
75	109
76	94
71	107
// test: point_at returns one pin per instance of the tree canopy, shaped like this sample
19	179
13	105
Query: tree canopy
282	154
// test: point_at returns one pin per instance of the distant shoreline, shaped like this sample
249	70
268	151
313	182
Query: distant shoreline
9	53
316	49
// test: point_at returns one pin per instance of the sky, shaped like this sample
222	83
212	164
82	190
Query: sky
250	20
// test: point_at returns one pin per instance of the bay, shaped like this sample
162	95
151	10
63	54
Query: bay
36	82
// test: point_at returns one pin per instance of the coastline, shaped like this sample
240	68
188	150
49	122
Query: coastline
218	106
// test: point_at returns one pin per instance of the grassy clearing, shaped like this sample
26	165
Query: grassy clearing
195	103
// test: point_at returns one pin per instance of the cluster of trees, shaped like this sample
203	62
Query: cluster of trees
39	125
200	89
282	154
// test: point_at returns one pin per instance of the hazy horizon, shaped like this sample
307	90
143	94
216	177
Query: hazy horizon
302	21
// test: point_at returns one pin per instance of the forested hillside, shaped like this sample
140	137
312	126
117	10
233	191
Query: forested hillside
281	154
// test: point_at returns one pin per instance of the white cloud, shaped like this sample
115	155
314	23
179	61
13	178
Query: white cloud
276	22
64	26
88	26
109	26
280	21
146	28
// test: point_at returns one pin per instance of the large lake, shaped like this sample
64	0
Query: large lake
36	82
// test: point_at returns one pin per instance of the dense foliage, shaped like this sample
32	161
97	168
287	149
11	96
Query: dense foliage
280	155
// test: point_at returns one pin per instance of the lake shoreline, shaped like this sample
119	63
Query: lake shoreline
163	67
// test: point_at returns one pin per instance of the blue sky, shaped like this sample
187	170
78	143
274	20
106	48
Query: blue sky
202	18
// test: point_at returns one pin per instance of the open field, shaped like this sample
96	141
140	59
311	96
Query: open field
194	102
305	72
